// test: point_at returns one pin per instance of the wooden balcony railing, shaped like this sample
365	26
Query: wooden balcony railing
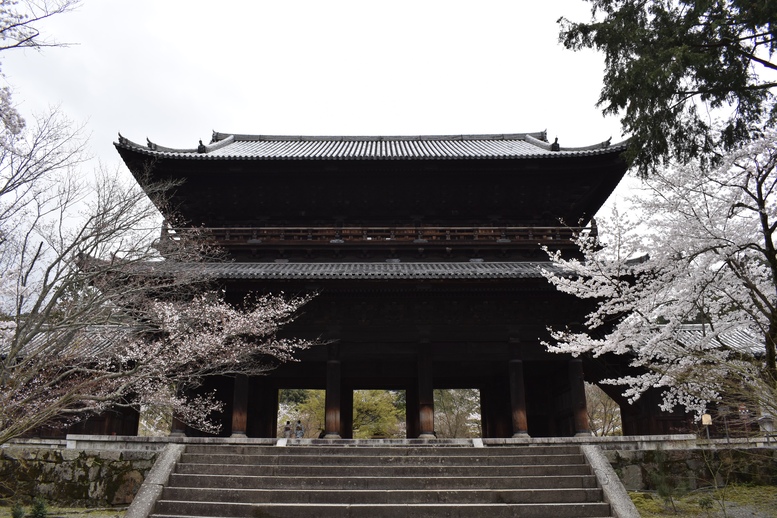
384	236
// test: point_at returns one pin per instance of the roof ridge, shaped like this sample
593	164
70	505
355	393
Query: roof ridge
217	136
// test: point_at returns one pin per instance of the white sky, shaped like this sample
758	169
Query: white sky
174	70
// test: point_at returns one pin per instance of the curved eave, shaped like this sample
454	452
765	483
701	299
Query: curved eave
461	147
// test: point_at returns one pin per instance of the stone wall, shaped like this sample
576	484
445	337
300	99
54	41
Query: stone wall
101	471
694	468
88	478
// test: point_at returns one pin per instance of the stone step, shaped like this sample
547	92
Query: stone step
484	496
402	470
436	510
377	482
379	460
412	451
244	480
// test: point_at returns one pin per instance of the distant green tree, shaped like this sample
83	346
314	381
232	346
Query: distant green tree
669	62
375	414
293	396
306	405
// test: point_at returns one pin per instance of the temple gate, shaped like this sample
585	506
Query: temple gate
426	255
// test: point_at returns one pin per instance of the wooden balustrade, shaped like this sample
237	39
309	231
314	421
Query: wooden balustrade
367	236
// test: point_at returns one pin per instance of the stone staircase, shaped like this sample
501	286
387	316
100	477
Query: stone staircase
381	482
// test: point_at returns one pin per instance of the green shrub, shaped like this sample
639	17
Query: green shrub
39	508
706	503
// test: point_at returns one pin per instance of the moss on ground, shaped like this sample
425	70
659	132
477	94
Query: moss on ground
740	500
71	512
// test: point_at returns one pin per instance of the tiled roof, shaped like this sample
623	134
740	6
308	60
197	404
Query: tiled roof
265	147
376	271
739	338
88	342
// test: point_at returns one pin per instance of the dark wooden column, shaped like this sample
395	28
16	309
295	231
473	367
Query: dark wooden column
425	393
178	427
411	410
577	389
240	406
346	412
262	407
333	396
518	398
495	408
485	411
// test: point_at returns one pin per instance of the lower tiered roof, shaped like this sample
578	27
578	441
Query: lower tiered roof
378	271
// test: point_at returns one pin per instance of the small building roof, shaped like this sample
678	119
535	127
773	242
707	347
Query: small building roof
89	342
738	338
275	147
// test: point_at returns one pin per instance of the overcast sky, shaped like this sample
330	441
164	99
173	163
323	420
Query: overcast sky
174	70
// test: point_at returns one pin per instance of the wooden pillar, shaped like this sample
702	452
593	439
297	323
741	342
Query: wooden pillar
485	411
495	408
262	408
411	410
178	427
577	389
518	399
270	410
425	394
332	403
346	413
240	406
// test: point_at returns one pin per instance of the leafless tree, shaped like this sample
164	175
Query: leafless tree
19	22
457	413
604	415
94	310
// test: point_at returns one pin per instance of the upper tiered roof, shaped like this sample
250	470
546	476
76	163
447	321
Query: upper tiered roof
505	180
274	147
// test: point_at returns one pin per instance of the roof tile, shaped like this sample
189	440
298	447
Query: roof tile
265	147
376	271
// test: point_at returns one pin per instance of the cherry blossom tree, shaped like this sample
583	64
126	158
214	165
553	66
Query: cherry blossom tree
64	374
96	310
685	285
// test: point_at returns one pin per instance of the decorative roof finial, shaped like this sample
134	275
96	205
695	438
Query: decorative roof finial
201	148
555	146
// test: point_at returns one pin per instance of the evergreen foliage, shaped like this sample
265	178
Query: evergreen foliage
669	62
